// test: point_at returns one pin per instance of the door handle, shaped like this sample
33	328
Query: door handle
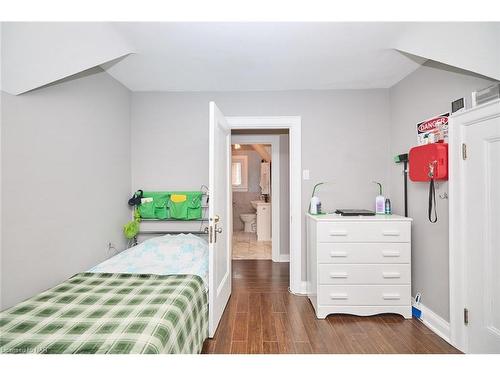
216	229
391	233
338	254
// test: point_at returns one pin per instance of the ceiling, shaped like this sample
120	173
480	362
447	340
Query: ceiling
260	56
166	56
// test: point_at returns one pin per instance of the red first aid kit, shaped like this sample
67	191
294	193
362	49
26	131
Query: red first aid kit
429	161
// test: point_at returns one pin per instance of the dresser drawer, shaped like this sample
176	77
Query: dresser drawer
339	274
390	231
364	295
364	252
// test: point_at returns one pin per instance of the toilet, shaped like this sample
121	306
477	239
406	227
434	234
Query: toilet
249	220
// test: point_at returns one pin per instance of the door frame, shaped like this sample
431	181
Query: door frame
457	228
274	141
293	124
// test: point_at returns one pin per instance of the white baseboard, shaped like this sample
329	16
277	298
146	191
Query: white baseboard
301	290
284	258
303	287
435	323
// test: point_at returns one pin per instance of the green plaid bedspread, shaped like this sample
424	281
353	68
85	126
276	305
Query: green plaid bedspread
110	313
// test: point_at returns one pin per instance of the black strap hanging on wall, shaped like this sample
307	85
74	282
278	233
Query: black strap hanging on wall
432	195
432	202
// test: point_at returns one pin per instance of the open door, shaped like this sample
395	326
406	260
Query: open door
220	197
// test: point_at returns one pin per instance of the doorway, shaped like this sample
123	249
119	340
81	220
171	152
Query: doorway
257	125
259	217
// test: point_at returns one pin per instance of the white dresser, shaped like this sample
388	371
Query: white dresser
359	265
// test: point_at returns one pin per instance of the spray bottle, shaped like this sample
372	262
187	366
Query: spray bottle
315	204
379	200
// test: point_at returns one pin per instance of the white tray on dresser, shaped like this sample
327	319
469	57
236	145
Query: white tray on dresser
359	265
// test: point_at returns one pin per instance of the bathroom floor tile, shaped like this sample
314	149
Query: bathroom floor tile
246	246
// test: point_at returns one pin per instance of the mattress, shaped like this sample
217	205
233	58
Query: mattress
151	298
182	254
110	313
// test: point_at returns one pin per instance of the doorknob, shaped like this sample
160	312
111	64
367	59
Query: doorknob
216	218
216	230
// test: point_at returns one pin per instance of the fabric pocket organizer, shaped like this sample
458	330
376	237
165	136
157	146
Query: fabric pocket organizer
154	205
185	205
194	207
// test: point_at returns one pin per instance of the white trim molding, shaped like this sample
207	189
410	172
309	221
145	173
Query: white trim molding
293	124
435	323
284	258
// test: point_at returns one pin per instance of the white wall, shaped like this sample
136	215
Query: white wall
65	181
344	139
425	93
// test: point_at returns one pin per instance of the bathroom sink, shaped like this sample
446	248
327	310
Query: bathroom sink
256	203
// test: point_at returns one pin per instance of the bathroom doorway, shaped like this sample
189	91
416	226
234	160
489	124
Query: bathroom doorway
260	176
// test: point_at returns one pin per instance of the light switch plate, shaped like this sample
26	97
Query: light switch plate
305	174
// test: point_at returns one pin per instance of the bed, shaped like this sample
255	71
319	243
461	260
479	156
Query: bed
151	298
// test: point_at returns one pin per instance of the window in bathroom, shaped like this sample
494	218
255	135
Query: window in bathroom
239	172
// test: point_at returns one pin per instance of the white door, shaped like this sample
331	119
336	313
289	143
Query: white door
219	215
482	247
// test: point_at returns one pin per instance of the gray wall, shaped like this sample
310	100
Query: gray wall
425	93
65	181
344	139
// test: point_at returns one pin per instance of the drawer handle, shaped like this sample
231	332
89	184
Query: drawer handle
391	275
391	296
338	233
338	254
391	233
389	253
339	275
338	296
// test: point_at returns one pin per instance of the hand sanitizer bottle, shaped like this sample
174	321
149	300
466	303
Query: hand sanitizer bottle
388	210
379	200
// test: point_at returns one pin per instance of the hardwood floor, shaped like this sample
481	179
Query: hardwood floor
263	317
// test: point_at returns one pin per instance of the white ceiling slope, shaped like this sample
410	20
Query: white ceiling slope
35	54
467	45
261	56
243	56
